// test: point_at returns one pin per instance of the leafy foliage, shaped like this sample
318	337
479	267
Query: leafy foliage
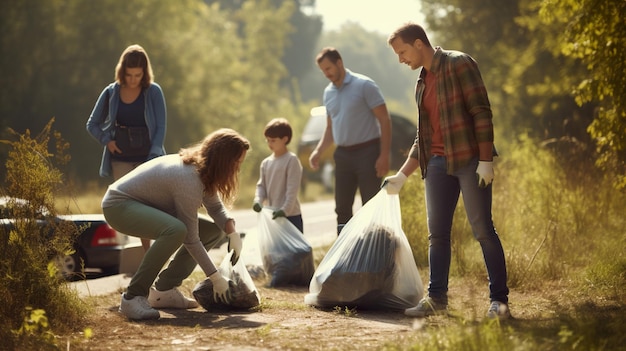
32	296
217	67
593	31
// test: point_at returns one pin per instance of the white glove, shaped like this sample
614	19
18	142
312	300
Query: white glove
484	171
394	183
234	243
220	288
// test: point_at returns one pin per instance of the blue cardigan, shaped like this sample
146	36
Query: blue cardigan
102	127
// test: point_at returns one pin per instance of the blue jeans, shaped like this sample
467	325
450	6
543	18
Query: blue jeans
442	195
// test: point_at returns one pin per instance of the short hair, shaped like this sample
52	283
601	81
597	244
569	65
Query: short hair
134	56
408	32
330	53
278	128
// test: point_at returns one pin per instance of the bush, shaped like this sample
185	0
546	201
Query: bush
34	299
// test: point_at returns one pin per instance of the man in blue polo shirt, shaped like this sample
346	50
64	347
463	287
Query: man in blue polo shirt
359	124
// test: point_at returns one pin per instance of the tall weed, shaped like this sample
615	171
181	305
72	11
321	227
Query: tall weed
552	221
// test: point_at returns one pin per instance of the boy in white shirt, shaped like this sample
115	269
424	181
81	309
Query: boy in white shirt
280	175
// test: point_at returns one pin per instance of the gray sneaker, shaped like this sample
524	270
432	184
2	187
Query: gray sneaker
138	308
498	310
426	307
171	298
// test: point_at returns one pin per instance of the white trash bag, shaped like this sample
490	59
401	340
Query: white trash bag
370	265
244	294
286	254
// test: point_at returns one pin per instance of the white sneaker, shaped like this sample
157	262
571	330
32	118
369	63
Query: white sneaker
498	310
138	308
170	299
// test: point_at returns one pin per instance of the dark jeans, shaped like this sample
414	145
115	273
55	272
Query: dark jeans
355	169
442	195
297	221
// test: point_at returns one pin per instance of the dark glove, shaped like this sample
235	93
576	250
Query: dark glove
278	213
257	207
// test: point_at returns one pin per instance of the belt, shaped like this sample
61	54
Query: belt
359	145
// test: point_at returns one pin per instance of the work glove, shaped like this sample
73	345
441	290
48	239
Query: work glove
234	243
484	173
278	213
220	288
257	207
394	183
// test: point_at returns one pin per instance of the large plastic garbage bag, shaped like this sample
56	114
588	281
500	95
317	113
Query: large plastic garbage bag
286	254
244	294
370	265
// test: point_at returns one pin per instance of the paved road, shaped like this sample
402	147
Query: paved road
319	229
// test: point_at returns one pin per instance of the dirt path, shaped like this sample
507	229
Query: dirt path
283	322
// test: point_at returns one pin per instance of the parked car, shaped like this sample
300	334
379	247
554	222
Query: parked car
403	133
97	246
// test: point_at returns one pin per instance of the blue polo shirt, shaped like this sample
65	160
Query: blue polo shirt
350	109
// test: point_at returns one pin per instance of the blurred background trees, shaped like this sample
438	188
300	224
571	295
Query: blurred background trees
553	70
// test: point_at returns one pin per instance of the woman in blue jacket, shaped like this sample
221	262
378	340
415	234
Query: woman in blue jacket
129	118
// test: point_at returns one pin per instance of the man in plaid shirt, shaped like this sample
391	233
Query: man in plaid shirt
454	151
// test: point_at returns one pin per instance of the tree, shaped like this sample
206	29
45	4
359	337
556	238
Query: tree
365	52
529	83
300	41
56	57
594	32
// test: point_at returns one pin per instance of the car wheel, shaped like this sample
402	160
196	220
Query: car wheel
70	266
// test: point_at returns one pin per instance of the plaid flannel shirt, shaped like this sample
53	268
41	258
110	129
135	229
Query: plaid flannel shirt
464	110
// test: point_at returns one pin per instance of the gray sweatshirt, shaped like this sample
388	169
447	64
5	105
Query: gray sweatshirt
279	183
166	183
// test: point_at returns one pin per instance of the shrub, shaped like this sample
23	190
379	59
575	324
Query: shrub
34	299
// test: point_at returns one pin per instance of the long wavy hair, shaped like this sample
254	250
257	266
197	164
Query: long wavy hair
217	161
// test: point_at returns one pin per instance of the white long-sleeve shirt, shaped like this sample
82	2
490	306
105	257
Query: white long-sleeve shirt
166	183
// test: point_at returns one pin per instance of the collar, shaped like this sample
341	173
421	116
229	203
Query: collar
436	62
348	78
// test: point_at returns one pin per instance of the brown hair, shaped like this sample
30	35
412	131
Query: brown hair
216	161
408	32
278	128
134	56
330	53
